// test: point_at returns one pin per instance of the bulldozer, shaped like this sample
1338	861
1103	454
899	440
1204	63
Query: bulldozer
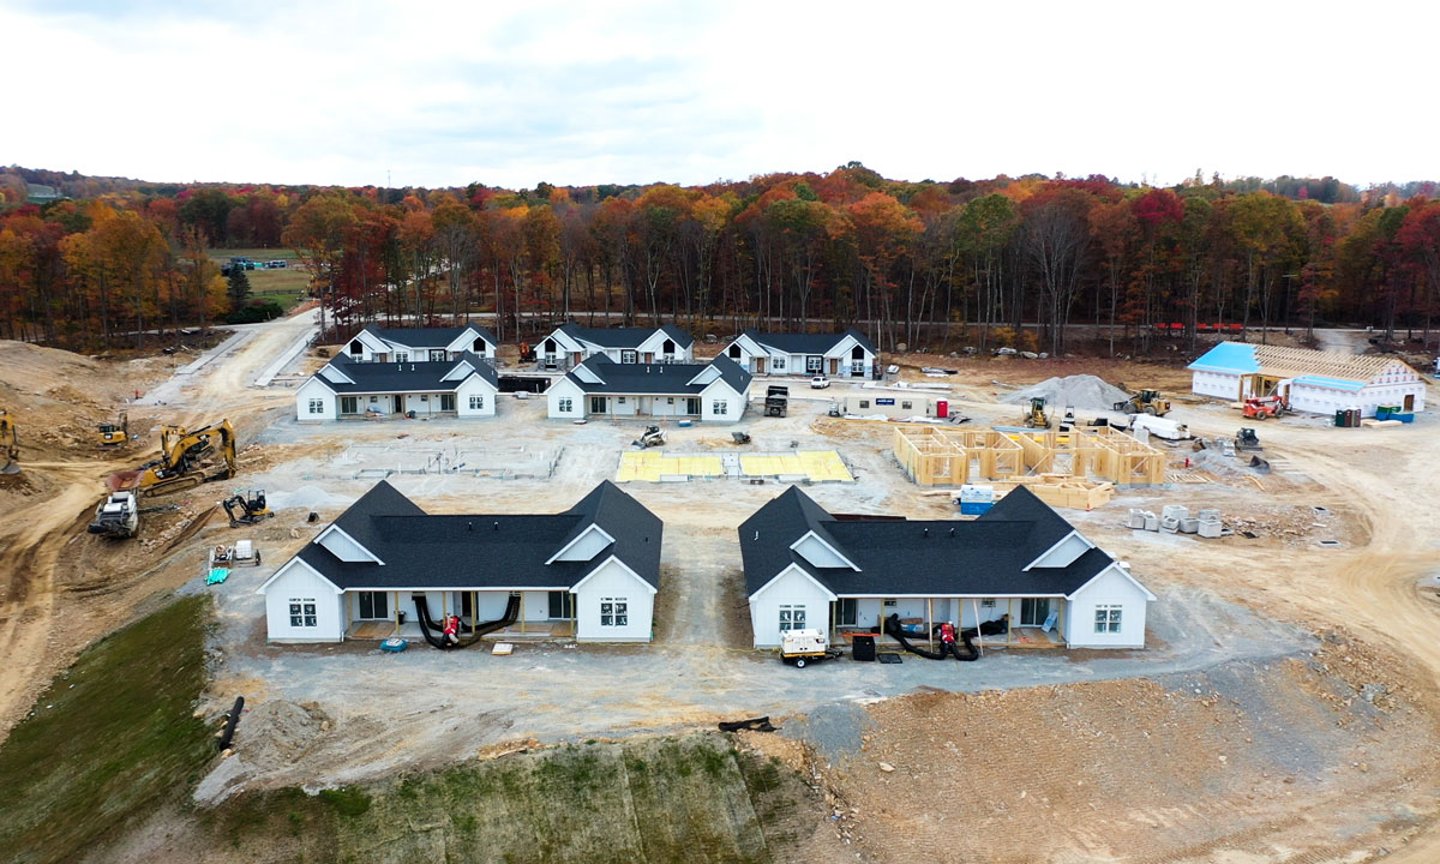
114	434
246	508
187	459
9	444
1145	402
1036	418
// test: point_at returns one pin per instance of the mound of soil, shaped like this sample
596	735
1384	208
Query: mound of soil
1085	392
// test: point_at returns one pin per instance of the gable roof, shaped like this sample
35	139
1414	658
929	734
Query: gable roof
421	376
625	337
427	337
1322	368
485	551
984	558
658	379
807	343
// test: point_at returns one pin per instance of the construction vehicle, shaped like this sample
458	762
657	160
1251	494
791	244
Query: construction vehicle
9	444
1264	407
243	552
117	517
799	647
1036	418
114	434
187	459
777	400
527	352
1246	439
651	437
246	508
1145	402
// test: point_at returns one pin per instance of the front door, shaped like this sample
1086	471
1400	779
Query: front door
759	365
447	401
399	404
834	365
597	404
692	406
1034	611
1409	403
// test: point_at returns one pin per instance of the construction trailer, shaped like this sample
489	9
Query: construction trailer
896	406
939	456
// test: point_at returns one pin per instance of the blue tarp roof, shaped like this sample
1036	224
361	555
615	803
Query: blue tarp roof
1235	357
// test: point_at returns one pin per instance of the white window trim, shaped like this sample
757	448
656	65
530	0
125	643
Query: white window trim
303	609
1114	618
317	406
477	403
620	611
791	617
720	406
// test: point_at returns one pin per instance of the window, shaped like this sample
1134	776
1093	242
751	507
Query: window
857	369
987	603
614	612
669	400
597	404
857	353
668	348
814	363
734	352
1107	618
848	612
401	357
439	355
317	406
906	405
864	403
627	356
1034	611
374	605
566	405
720	406
620	400
302	612
560	605
356	349
792	618
692	406
777	364
478	346
349	405
477	403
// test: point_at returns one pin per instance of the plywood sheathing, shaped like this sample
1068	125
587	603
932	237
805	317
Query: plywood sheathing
933	456
1279	361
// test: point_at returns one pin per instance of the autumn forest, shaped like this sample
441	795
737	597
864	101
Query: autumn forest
1033	262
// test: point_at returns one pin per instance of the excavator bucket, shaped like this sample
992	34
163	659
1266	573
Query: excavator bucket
10	467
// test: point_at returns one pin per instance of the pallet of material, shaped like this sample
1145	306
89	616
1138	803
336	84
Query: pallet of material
1381	424
1063	491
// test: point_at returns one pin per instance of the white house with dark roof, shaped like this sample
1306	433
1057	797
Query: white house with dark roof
346	389
599	387
385	567
837	355
569	345
806	568
1318	381
376	344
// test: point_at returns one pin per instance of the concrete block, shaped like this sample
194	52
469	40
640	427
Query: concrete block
1136	518
1175	511
1169	524
1209	514
1189	525
1152	522
1209	529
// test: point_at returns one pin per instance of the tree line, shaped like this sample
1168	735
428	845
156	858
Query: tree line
1019	261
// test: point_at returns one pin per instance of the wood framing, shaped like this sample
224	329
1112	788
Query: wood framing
936	456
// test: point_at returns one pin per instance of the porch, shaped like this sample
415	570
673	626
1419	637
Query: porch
520	631
1030	622
377	405
538	616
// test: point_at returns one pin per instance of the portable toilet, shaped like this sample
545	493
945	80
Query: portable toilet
942	408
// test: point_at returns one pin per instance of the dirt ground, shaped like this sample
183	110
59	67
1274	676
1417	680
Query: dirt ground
1311	669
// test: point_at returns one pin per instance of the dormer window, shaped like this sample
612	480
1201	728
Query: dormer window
356	349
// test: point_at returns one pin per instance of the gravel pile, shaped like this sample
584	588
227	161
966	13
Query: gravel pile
1082	392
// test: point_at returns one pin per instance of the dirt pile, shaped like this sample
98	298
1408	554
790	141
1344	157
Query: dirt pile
279	732
1082	392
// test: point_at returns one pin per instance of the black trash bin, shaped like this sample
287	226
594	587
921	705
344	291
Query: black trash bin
862	647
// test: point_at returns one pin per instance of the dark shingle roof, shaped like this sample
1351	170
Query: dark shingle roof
807	343
427	337
983	558
655	378
625	337
407	377
485	551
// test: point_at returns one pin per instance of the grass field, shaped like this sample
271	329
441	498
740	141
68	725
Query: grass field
286	286
692	799
113	738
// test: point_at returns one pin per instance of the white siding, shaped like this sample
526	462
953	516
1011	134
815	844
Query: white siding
423	404
1066	551
586	546
721	392
297	581
564	388
535	606
314	389
819	553
1109	588
655	343
792	588
466	341
614	581
343	546
475	386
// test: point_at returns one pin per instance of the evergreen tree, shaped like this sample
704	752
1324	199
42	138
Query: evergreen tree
239	290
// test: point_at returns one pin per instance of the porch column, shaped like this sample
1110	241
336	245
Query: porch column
930	622
1009	622
522	611
979	637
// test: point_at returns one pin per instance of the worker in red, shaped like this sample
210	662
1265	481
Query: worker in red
947	633
452	630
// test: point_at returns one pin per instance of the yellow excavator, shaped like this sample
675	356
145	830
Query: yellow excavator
9	444
187	459
114	434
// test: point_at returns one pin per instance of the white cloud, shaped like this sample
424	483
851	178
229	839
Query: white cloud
445	93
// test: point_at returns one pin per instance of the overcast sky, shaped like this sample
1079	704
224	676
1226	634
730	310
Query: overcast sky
442	94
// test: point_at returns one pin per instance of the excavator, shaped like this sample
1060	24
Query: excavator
186	460
527	352
246	508
1145	402
114	434
9	444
